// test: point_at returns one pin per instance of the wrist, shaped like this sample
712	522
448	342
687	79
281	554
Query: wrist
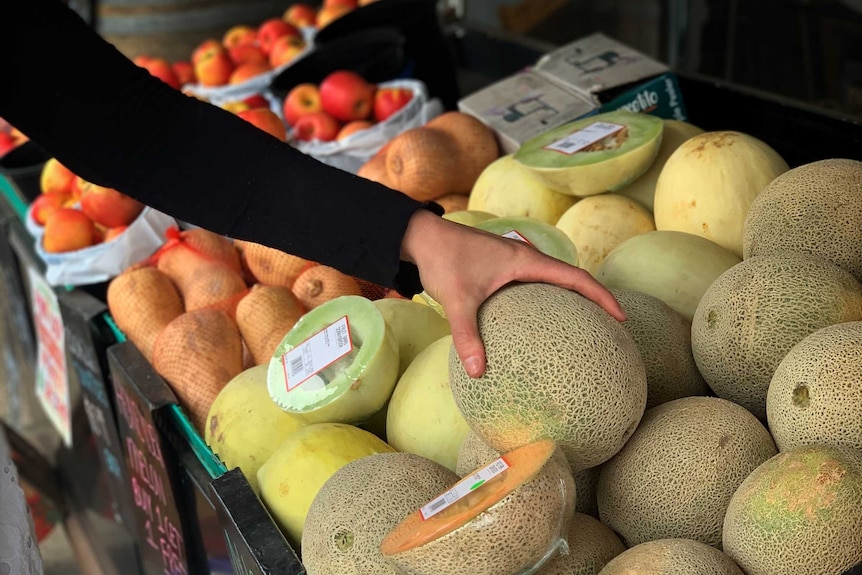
421	229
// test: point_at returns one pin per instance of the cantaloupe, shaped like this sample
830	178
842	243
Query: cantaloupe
358	506
672	557
264	315
557	366
475	453
710	181
544	237
230	433
663	337
800	512
142	302
591	545
296	471
604	166
475	145
423	163
598	224
514	521
677	473
505	188
321	382
816	209
675	132
422	417
414	327
675	267
815	396
753	314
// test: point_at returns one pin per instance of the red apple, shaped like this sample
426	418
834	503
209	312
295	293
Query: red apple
159	68
68	230
184	72
239	35
7	143
207	46
329	13
266	120
347	96
45	204
56	178
316	126
246	53
256	101
346	3
271	29
300	15
247	71
109	207
387	101
285	49
214	68
352	128
302	99
112	233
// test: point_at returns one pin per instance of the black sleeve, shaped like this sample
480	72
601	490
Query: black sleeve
112	123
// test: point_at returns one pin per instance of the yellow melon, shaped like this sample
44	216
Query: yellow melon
672	557
800	512
816	209
591	545
414	327
710	181
752	315
677	473
358	506
815	396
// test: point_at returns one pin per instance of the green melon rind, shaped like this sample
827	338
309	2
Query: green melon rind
468	217
363	387
589	173
546	238
531	523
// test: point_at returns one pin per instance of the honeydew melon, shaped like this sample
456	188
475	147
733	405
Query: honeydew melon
349	389
605	166
414	326
543	236
468	217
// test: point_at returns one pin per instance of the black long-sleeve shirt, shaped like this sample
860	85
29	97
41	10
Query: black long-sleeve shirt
112	123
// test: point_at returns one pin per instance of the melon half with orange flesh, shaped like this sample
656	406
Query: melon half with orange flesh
525	510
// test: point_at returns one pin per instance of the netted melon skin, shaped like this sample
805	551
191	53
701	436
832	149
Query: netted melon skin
558	367
756	311
591	545
677	473
360	504
672	557
800	512
814	209
815	396
518	532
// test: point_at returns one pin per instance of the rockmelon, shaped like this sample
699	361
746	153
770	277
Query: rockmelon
422	417
338	363
295	472
677	473
228	433
815	209
675	267
544	237
675	132
753	314
800	512
591	545
414	327
505	188
488	524
598	224
672	557
707	185
358	506
663	338
557	366
570	160
815	396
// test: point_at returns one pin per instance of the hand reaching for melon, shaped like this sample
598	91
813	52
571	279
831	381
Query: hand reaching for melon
461	266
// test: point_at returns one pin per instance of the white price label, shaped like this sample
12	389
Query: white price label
514	235
464	488
316	353
579	140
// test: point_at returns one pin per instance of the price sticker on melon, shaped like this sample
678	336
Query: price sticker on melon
317	353
464	488
577	141
515	235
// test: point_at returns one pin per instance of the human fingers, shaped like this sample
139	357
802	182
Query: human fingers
465	336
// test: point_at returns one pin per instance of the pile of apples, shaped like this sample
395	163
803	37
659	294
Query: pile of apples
76	214
342	104
10	138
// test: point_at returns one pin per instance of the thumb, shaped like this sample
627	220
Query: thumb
465	337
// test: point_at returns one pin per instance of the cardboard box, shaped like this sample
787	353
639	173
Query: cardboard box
591	75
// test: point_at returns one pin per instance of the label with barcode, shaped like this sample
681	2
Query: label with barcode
514	235
579	140
464	488
316	353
